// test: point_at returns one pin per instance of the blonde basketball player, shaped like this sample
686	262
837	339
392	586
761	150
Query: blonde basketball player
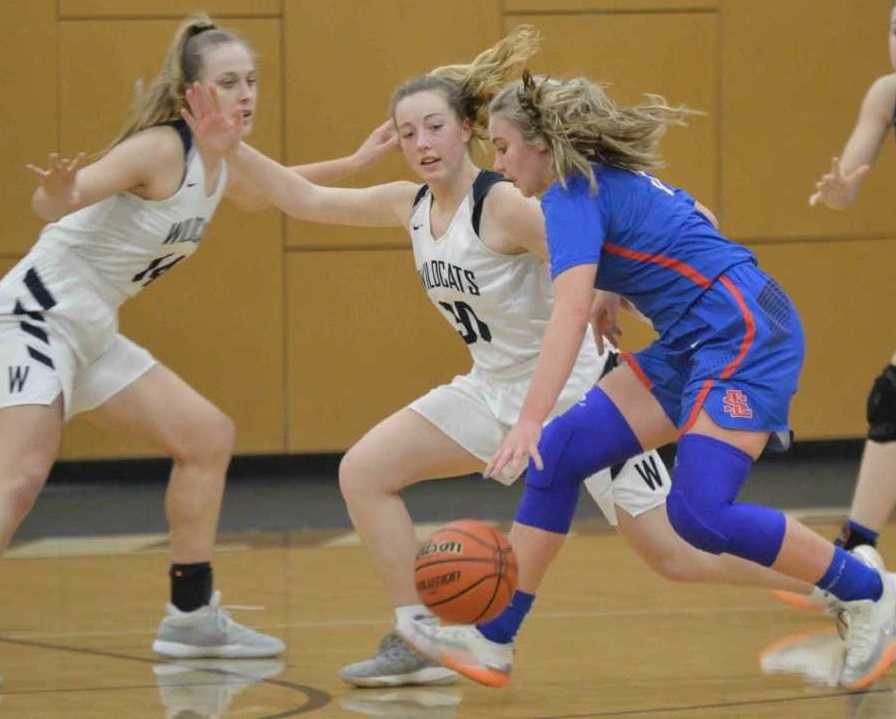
479	248
116	226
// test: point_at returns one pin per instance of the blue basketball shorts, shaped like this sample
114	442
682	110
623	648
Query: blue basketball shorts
737	353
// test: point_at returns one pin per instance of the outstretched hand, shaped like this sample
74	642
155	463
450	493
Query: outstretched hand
378	144
605	318
834	189
215	131
58	180
520	444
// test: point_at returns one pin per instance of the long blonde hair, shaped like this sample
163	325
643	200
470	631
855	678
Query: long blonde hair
469	88
580	124
163	99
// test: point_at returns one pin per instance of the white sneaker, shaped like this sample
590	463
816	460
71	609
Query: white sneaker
870	629
462	648
815	655
210	632
206	687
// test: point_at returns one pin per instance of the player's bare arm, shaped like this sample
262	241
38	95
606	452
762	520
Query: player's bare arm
382	140
149	164
838	187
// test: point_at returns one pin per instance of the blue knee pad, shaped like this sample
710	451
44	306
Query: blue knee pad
691	527
590	436
707	478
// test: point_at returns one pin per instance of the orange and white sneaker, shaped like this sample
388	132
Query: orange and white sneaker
462	648
870	629
816	655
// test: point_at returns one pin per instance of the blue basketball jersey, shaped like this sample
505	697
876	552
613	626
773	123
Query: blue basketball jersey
649	241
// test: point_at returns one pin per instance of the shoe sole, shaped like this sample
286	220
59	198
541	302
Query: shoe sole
790	640
481	675
175	650
797	601
486	676
877	672
431	676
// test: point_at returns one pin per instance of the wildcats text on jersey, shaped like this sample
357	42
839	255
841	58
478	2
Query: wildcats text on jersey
438	273
186	231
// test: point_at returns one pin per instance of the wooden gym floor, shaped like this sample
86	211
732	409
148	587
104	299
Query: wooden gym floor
606	637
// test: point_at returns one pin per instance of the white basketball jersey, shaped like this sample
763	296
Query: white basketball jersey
500	304
126	242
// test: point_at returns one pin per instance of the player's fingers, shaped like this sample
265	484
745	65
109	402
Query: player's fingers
814	199
495	465
599	340
213	98
199	104
39	171
536	457
188	118
76	163
520	459
237	117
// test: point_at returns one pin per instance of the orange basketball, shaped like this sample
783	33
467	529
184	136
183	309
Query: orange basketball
466	572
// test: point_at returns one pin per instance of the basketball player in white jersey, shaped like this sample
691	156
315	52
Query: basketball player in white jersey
116	226
480	252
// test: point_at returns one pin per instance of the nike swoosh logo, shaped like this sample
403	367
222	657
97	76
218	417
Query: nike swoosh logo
416	227
191	184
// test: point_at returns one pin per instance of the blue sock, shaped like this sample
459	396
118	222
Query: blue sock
849	578
503	628
854	535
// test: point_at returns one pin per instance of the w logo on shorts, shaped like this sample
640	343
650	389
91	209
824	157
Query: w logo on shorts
18	375
735	405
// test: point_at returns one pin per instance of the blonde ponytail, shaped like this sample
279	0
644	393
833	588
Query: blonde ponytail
581	124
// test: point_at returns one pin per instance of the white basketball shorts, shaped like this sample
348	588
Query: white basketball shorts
465	411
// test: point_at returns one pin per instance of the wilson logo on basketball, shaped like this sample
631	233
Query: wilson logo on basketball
437	547
439	580
465	572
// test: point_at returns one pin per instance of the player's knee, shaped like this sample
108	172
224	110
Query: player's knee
210	441
26	481
560	458
675	566
881	408
365	471
550	494
696	530
351	474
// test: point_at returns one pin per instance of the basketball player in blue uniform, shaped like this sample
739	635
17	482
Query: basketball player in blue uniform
480	251
719	378
875	493
114	227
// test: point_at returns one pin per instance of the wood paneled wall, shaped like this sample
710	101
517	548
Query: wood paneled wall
307	335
